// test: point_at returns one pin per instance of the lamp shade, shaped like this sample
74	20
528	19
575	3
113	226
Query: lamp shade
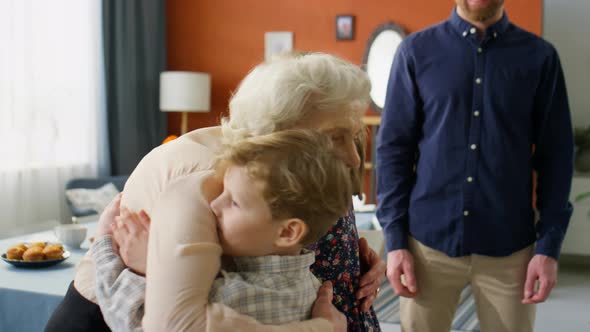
183	91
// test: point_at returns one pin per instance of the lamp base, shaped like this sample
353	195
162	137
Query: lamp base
183	123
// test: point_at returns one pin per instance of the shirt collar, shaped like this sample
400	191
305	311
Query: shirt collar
275	264
466	29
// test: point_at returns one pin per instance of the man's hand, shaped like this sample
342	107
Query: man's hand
400	262
107	217
323	308
131	234
544	269
371	280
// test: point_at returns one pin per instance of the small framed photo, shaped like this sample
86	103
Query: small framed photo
345	27
276	43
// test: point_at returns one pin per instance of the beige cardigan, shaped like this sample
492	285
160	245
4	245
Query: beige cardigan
183	255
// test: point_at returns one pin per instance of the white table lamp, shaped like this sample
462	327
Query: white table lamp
183	91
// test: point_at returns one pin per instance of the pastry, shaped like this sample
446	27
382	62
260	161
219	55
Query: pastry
37	244
53	251
33	254
21	245
15	252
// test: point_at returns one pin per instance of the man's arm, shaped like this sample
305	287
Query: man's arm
396	156
553	161
553	158
396	151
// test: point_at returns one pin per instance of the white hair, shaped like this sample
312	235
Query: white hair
276	95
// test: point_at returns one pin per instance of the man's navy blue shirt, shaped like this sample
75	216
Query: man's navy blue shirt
466	121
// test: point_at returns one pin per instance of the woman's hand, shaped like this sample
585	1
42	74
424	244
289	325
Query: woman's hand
131	232
323	308
107	217
371	280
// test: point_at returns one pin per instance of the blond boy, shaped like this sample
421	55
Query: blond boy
281	192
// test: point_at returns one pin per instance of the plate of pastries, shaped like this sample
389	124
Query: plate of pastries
35	254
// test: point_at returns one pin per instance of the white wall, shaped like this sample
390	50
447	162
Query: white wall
566	24
576	239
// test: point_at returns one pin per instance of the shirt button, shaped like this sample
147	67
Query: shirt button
473	146
464	33
479	50
472	30
470	179
476	113
495	35
478	80
466	213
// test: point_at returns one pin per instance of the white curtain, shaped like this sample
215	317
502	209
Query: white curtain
52	116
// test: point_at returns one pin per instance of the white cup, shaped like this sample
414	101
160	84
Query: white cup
72	235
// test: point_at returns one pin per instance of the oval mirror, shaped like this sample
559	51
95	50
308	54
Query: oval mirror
381	48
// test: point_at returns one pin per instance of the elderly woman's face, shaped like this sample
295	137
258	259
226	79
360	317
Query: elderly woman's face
343	127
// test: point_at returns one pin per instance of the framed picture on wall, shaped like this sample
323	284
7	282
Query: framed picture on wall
345	27
276	43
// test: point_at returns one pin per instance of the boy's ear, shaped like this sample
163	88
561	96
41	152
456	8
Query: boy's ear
291	233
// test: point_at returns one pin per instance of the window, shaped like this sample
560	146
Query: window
51	103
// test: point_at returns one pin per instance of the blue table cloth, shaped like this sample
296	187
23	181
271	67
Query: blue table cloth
28	297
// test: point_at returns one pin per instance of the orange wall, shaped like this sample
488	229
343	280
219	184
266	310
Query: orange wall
226	37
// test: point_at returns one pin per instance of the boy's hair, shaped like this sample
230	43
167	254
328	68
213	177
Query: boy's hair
280	93
302	177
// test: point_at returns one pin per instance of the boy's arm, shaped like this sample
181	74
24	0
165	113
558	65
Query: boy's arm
120	292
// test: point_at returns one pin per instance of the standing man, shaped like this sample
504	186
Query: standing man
474	105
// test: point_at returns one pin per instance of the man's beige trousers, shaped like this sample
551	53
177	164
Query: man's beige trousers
497	283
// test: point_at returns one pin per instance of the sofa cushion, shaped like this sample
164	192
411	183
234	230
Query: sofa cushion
92	199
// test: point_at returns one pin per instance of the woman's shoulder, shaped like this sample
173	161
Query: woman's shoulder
192	188
209	136
183	207
194	147
192	153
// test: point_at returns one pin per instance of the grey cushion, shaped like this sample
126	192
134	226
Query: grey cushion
93	183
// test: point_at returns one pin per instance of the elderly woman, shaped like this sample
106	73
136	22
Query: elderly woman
316	91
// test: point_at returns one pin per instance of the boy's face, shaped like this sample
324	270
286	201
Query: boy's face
244	220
